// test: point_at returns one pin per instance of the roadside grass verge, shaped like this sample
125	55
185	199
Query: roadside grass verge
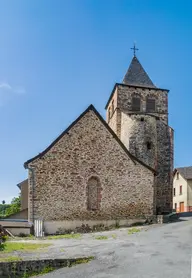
101	237
133	231
20	238
10	259
26	272
68	236
44	271
82	261
23	246
49	269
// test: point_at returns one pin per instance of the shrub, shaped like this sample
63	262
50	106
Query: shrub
22	235
2	237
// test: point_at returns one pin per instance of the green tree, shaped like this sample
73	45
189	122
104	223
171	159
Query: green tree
14	207
3	208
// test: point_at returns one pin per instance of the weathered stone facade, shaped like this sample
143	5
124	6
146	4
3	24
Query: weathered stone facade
146	135
59	188
107	171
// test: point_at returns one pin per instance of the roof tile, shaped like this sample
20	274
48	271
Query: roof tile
136	75
186	172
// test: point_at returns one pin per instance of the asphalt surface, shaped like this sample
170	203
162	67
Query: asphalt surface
160	251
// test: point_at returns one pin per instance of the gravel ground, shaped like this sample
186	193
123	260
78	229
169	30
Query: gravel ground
159	251
156	251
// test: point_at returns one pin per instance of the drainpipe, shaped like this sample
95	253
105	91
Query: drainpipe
33	189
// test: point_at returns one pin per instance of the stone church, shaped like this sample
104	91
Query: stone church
101	172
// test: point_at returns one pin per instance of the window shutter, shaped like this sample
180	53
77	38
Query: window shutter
150	107
136	104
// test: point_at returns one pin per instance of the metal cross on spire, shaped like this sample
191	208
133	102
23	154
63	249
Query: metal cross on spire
134	49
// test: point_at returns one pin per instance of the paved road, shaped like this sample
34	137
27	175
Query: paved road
160	252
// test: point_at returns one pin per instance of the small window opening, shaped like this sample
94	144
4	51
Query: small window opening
177	175
109	113
150	105
112	107
149	146
142	119
136	103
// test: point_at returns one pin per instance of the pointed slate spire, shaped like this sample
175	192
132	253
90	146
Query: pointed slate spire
136	75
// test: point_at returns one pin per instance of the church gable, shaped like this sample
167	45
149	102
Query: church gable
85	134
88	174
85	117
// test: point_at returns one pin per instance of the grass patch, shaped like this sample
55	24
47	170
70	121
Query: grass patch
81	261
114	236
44	271
133	231
50	269
10	259
73	236
20	238
101	237
19	246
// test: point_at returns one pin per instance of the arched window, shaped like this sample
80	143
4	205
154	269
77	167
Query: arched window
136	103
93	194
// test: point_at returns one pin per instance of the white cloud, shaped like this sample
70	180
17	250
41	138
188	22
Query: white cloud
7	92
5	86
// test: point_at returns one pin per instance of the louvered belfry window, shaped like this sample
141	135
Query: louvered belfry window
136	102
150	105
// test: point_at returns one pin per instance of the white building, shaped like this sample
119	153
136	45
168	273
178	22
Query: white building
182	189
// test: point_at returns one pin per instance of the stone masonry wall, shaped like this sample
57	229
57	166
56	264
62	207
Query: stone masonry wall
137	132
114	116
20	269
140	128
89	150
164	168
124	100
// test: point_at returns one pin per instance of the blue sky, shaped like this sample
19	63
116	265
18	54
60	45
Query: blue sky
58	56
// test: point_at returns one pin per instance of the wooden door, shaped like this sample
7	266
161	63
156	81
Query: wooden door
181	206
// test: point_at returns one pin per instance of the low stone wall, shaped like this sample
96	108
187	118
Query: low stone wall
53	227
172	217
20	268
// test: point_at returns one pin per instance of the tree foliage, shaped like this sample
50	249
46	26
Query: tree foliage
8	209
14	207
3	208
2	237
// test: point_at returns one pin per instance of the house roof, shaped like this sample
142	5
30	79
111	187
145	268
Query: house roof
92	108
136	75
186	172
22	182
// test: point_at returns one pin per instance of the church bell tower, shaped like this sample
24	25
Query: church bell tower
137	111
